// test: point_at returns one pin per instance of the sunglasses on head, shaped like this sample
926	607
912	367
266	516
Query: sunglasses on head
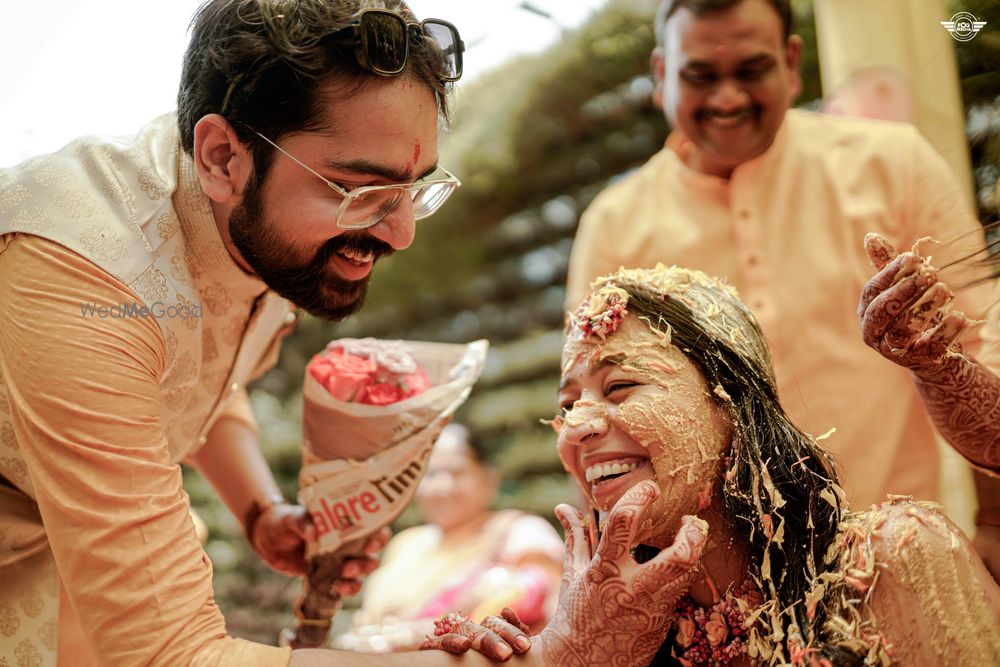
383	40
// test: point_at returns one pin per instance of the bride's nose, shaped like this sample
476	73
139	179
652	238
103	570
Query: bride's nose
586	422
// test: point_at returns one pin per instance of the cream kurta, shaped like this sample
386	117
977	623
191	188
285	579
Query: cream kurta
98	408
787	230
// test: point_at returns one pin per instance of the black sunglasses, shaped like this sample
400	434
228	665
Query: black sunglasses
383	40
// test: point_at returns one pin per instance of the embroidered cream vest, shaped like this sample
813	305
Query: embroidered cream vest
135	208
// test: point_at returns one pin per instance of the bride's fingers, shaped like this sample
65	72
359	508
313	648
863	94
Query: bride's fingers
451	642
577	554
511	617
510	629
476	636
623	521
689	543
673	570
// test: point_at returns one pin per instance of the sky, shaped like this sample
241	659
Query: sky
74	67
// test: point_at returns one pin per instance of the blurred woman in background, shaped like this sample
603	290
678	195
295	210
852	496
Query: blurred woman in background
467	557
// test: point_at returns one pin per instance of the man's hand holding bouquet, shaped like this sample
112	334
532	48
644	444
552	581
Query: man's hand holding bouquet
372	409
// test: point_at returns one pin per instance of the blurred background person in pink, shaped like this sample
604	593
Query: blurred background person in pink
467	557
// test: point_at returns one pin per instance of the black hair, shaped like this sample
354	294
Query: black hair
775	477
262	64
701	7
474	443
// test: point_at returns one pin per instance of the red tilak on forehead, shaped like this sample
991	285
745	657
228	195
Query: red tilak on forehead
416	157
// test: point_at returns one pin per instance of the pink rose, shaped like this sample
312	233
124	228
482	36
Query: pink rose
320	369
381	393
716	629
415	383
685	631
346	375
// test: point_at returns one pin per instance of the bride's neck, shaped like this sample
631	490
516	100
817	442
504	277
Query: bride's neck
725	562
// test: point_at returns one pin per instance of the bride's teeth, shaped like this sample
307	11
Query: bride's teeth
605	469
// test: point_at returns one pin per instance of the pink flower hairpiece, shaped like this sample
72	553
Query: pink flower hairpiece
601	312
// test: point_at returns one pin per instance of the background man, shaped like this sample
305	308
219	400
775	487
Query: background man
778	201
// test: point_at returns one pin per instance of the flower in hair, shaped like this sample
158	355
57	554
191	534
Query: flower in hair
602	311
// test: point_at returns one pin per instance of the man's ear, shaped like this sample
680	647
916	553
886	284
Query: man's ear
224	164
793	55
658	66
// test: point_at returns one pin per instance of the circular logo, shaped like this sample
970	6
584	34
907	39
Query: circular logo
964	26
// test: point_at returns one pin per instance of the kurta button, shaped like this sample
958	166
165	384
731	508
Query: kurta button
234	387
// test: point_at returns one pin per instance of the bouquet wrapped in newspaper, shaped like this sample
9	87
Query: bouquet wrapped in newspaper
371	411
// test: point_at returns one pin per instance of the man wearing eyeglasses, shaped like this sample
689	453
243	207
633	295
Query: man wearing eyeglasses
147	281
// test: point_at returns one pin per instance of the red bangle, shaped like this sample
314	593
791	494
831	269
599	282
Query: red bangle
988	517
256	510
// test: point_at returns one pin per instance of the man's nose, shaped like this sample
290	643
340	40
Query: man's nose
586	423
398	227
728	96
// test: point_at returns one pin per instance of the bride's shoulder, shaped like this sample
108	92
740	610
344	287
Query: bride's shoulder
921	578
903	529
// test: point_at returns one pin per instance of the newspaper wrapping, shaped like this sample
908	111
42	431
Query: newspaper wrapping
360	468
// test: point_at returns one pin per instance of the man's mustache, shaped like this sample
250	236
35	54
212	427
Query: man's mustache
750	111
356	243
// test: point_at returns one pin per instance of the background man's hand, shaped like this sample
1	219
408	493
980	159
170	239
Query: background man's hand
903	308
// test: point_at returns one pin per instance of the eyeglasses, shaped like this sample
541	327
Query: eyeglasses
367	205
384	38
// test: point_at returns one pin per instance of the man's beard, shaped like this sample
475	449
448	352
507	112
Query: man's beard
310	286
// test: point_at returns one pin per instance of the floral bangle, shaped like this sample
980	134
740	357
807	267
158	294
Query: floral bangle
449	623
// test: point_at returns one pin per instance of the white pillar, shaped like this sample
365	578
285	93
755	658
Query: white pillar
905	35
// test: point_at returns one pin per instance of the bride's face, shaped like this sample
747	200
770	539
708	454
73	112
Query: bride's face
634	407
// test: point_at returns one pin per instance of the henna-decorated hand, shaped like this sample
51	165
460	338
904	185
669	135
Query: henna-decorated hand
496	637
613	610
903	308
